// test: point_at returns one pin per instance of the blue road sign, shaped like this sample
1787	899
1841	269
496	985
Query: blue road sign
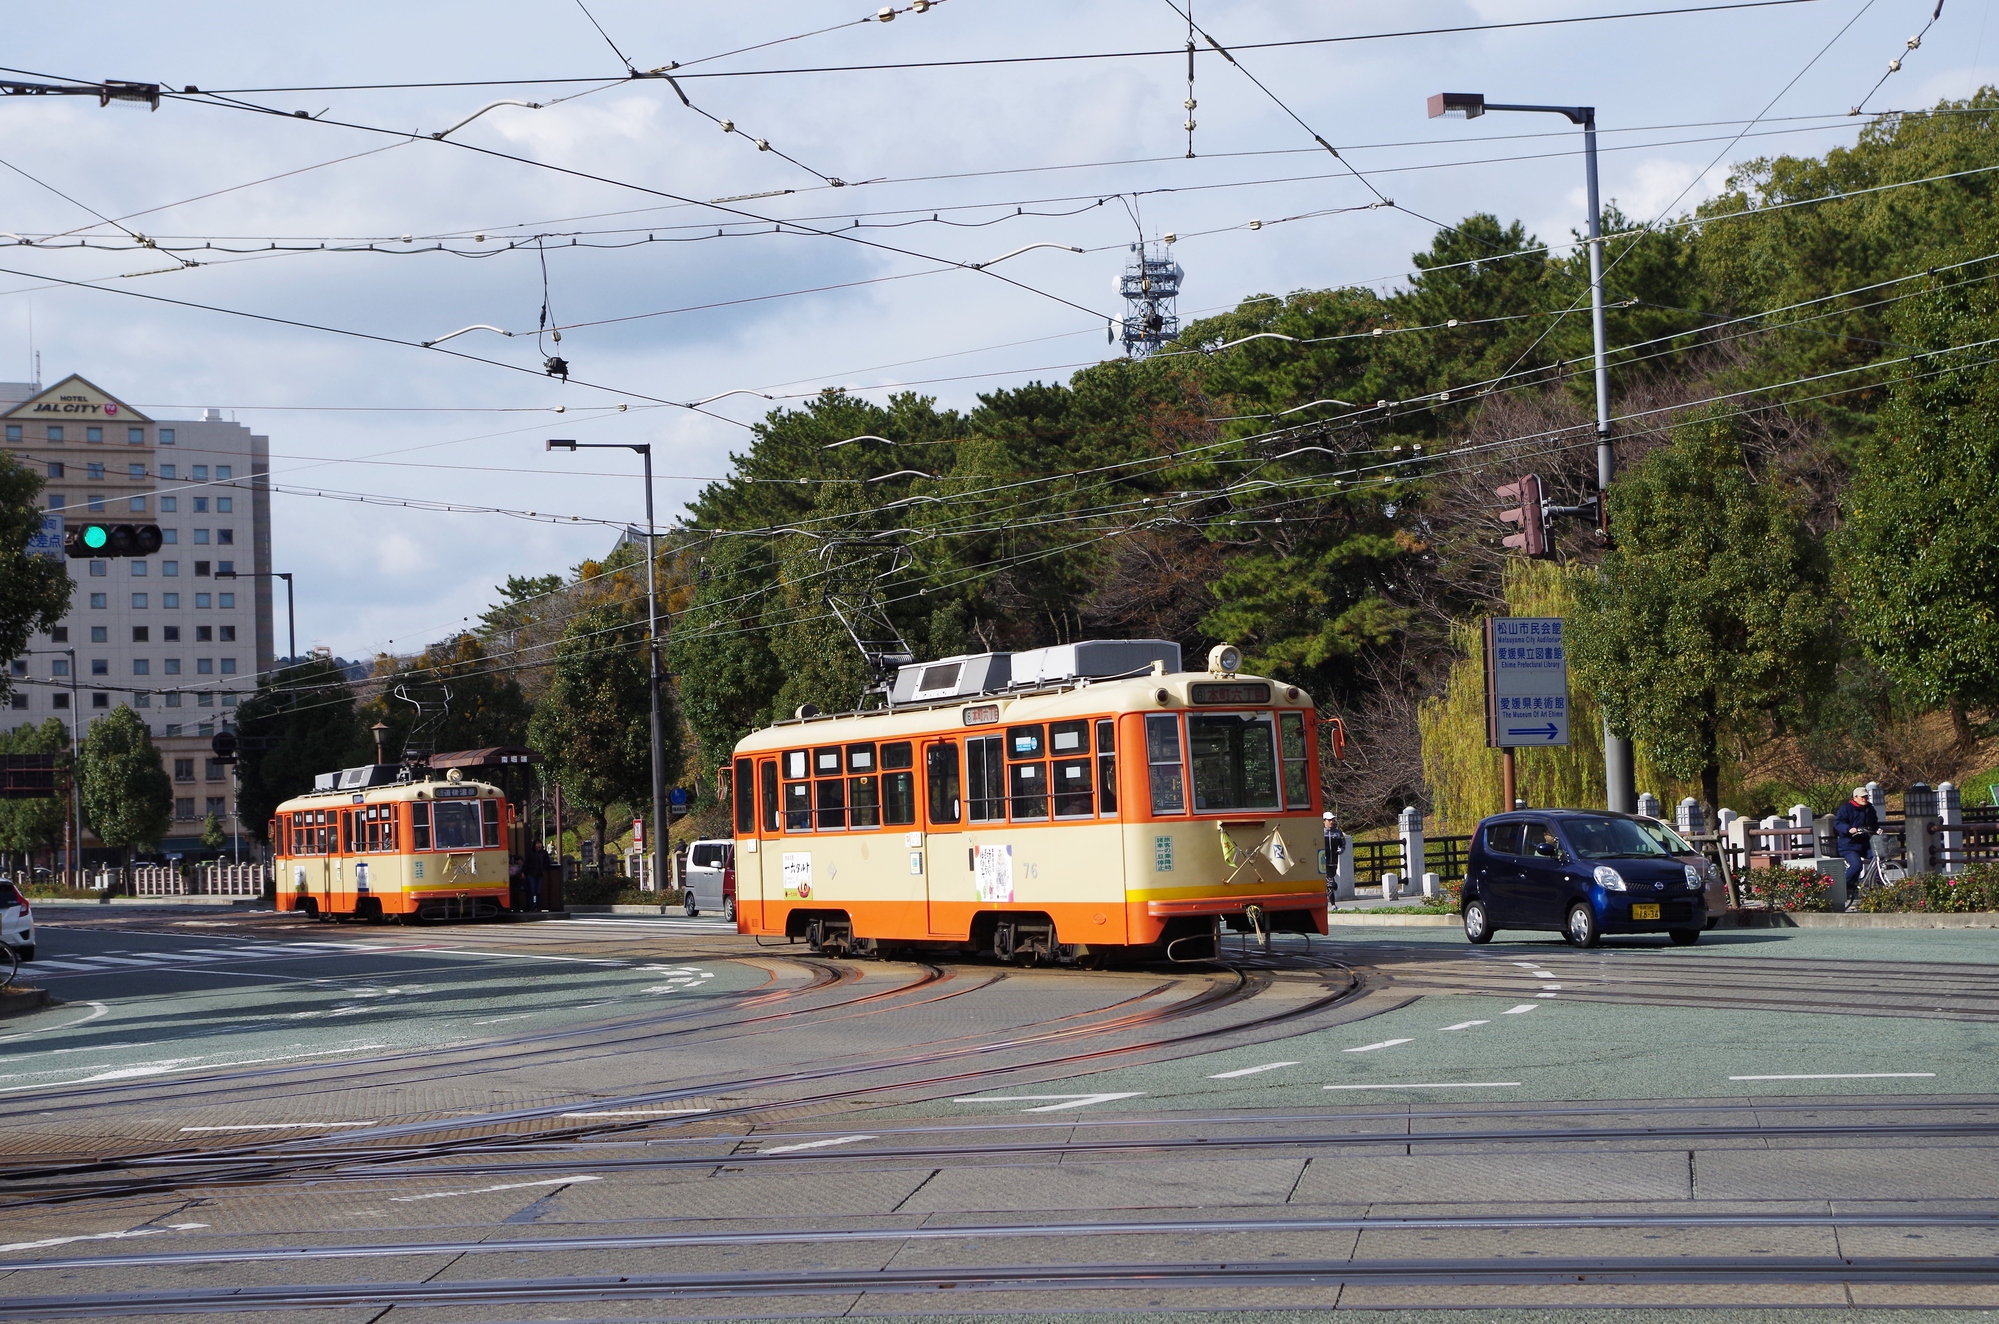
1527	681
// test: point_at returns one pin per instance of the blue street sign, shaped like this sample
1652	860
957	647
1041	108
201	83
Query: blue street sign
1527	681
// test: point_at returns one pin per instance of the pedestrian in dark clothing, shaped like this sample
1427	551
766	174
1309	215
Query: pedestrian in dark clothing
1335	849
1853	829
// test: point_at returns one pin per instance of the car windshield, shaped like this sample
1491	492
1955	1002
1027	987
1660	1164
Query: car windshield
1674	843
1610	839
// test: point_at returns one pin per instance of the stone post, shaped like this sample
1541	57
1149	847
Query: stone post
1690	818
1919	815
1649	806
1343	877
1950	809
1391	886
1410	823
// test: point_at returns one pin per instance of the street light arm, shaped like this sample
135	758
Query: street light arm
1027	248
440	136
1585	116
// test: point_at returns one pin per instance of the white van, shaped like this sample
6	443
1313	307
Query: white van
710	878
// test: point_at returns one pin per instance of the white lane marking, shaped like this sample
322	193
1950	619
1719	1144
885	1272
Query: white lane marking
1465	1025
173	1065
1515	1011
1250	1071
1551	986
101	1236
1076	1100
277	1126
1851	1075
816	1144
1544	995
1528	965
1385	1043
1544	974
487	1190
101	1010
641	1112
112	960
44	966
1436	1085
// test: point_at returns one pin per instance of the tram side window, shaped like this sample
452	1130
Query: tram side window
767	788
1297	785
864	790
1235	760
1107	765
829	787
1069	777
985	779
1027	782
280	839
489	820
420	825
746	802
1162	756
797	790
940	767
898	784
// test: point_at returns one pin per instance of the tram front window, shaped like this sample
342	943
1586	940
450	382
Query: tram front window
1235	760
1162	754
455	824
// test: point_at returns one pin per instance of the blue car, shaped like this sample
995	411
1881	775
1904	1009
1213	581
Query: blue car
1579	873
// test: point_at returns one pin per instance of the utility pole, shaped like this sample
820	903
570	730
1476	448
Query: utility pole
1618	777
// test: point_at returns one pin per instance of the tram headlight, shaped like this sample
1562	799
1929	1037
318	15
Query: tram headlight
1225	659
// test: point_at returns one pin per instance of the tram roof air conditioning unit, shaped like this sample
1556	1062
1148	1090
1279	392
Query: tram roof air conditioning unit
357	779
972	674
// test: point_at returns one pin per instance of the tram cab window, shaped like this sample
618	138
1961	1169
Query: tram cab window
746	797
940	771
1107	765
1297	785
798	790
454	824
1162	757
420	825
898	784
489	819
985	779
1235	760
863	791
767	790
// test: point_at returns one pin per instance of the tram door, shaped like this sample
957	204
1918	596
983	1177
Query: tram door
942	853
759	876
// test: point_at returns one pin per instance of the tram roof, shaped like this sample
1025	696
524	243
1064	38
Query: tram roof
1082	698
394	793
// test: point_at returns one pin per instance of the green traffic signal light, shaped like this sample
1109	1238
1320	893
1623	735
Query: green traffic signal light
95	536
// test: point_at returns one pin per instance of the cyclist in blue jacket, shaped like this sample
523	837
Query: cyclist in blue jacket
1853	828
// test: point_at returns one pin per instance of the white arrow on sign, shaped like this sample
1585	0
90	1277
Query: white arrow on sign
1074	1100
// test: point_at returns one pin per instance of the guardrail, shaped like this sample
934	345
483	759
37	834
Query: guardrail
1448	857
245	880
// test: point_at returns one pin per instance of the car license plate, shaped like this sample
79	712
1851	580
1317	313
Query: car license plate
1644	911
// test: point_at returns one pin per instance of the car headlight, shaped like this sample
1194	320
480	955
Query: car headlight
1609	879
1694	879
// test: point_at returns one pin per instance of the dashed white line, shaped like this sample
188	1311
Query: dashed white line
1436	1085
1385	1043
1464	1025
487	1190
1250	1071
278	1126
816	1144
1556	986
1074	1100
1851	1075
1515	1011
641	1112
1544	995
102	1236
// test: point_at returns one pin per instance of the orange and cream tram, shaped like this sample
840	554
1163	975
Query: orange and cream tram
1076	803
372	846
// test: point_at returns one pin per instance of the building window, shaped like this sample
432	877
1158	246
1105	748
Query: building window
141	667
18	667
100	666
55	432
60	700
168	505
13	432
225	505
96	472
59	667
57	501
93	434
135	436
170	633
55	468
168	471
139	604
100	634
204	633
201	601
135	471
200	508
100	701
218	806
173	701
222	471
228	666
173	669
140	633
201	473
170	569
97	601
99	569
229	701
166	436
201	569
225	537
17	701
138	569
183	805
168	536
214	770
59	635
204	666
137	505
228	634
227	568
206	699
227	599
200	535
143	701
96	500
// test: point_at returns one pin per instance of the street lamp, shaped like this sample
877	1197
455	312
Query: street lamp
659	853
1617	770
291	610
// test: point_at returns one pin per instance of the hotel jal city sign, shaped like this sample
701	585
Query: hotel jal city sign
76	400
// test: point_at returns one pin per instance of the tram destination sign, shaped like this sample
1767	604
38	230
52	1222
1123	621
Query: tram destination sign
1526	682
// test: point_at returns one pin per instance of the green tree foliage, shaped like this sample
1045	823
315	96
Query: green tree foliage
305	718
1713	615
27	826
487	705
1919	551
593	727
212	835
128	799
34	591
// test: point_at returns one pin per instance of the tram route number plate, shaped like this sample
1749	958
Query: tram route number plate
994	868
1644	912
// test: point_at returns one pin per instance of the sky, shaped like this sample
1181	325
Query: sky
600	206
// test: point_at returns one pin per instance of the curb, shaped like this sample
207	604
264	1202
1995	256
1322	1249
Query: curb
1362	919
157	902
1983	919
623	910
15	1001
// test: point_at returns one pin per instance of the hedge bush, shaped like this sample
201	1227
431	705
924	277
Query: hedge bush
1786	889
1976	889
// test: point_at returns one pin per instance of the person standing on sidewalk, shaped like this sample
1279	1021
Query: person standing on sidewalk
1335	850
1853	829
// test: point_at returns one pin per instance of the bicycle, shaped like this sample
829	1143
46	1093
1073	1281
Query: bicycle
1872	879
10	965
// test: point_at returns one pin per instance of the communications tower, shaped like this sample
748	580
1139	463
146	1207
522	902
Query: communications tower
1150	285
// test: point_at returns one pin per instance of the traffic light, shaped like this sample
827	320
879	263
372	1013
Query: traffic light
1530	515
95	539
224	746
